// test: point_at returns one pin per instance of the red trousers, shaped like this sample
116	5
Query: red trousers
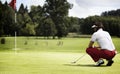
96	54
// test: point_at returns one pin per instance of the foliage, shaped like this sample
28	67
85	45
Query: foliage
57	10
47	28
111	24
52	19
36	14
7	25
111	13
24	22
28	30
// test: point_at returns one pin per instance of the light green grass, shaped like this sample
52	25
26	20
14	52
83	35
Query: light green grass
69	44
42	58
52	63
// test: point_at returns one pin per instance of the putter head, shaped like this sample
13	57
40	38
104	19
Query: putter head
73	62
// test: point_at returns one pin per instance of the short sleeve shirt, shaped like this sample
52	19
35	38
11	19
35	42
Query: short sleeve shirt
104	40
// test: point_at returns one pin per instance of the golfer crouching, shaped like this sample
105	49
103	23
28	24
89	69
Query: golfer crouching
106	49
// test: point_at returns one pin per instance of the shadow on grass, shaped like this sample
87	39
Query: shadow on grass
84	65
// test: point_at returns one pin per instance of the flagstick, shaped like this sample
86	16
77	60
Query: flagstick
13	5
15	18
15	42
15	36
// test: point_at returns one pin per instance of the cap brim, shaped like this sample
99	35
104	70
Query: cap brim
94	26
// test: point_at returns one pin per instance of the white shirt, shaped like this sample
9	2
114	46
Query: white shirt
104	40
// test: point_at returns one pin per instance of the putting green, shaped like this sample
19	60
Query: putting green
41	56
52	63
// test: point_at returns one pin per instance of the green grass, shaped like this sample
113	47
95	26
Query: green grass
69	44
46	57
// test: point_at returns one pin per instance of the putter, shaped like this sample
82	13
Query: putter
78	59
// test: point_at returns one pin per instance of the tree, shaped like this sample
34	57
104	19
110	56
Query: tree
1	12
57	10
37	17
28	30
36	14
47	28
74	24
7	22
25	23
114	13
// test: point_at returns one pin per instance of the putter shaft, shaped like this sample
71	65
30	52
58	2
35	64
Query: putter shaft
78	58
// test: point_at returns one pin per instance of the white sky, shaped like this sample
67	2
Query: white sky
81	8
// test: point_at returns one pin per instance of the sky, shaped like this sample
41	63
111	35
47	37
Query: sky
81	8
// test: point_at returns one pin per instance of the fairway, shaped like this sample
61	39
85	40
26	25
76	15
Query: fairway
47	57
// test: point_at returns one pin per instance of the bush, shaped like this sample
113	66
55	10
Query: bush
3	41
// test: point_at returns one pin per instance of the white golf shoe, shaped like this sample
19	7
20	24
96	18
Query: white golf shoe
100	62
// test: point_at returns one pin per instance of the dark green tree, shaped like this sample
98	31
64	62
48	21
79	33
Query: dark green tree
36	14
24	22
111	13
7	23
57	11
74	24
1	12
47	28
37	17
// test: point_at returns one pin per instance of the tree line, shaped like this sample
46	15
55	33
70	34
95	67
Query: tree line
52	19
110	20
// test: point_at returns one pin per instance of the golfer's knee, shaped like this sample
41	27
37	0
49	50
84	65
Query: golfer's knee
88	50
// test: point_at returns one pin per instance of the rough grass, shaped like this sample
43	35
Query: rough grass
41	56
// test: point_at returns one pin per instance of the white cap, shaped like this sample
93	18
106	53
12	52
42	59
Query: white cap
94	26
